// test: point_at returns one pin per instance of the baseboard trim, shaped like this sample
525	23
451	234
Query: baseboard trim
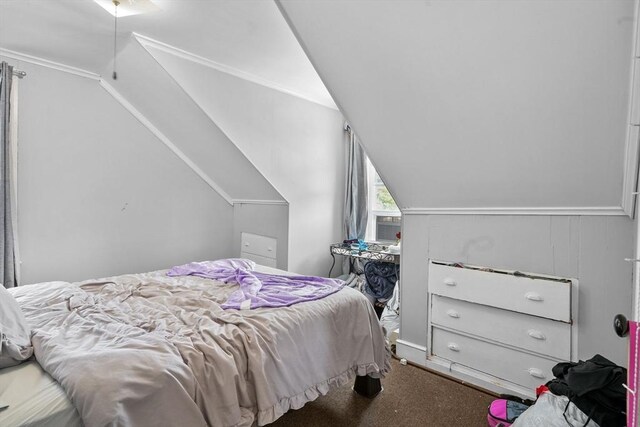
417	355
556	211
477	379
412	352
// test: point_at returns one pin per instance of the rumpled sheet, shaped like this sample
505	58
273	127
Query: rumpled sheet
259	289
147	349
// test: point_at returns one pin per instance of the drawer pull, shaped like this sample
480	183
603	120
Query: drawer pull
449	281
536	373
453	346
453	313
533	296
533	333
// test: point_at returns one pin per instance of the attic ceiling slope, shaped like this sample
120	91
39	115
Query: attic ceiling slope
248	35
149	43
262	123
148	88
481	105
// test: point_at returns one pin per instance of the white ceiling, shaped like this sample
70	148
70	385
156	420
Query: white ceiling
249	35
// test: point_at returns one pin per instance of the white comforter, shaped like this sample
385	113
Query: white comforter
146	349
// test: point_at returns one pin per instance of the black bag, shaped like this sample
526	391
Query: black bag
595	387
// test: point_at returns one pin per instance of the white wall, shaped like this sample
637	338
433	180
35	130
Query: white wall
264	220
151	90
590	249
492	104
98	194
296	144
481	103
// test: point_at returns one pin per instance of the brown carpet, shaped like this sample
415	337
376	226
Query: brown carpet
411	397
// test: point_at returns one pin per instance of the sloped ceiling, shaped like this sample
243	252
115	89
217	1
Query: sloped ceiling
155	93
481	104
248	35
284	137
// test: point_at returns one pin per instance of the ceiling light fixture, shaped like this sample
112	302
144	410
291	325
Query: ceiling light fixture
129	7
116	3
118	10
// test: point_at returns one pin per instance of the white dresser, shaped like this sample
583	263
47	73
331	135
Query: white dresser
499	330
260	249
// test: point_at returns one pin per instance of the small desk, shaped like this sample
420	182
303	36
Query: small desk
374	252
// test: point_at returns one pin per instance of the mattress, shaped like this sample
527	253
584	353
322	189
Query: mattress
265	353
34	399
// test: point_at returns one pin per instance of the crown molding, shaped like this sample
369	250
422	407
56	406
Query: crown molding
631	159
140	117
164	47
18	56
259	202
556	211
164	139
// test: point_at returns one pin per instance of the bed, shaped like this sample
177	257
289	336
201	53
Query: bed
150	349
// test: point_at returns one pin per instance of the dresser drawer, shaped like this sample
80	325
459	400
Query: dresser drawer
259	245
544	336
511	365
538	297
258	259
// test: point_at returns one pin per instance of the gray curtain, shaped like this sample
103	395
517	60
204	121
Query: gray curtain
7	256
356	210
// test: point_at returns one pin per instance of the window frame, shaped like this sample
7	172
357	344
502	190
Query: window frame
373	214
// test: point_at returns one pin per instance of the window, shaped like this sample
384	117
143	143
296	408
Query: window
384	215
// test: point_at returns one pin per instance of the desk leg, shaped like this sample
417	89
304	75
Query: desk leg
367	386
333	264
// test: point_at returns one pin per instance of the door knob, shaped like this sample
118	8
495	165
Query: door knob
621	325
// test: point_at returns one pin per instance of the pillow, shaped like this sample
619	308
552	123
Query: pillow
15	333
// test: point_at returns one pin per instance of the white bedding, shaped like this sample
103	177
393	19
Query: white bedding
34	399
110	344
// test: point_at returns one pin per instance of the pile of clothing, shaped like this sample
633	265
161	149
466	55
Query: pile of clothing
381	279
587	393
377	280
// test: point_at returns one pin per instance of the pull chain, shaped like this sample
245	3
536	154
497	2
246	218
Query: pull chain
115	35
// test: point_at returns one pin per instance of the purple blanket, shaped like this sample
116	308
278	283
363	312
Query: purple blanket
259	289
